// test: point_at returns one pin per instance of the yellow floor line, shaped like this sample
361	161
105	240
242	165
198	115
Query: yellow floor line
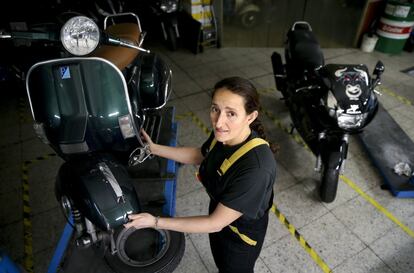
318	260
377	205
391	93
28	259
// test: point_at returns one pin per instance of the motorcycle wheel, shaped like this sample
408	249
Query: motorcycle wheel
329	181
146	251
249	19
171	39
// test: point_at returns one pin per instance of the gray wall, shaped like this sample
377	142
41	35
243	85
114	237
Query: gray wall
335	22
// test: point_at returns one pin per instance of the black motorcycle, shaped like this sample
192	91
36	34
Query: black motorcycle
90	111
167	13
162	17
327	103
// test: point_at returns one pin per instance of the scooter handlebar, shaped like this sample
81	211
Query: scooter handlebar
112	40
27	35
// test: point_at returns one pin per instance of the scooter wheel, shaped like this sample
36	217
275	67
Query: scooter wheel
146	250
249	19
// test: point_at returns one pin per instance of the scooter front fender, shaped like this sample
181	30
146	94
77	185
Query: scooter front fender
100	189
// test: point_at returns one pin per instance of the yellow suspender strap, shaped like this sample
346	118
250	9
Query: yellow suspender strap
245	239
213	142
239	153
227	163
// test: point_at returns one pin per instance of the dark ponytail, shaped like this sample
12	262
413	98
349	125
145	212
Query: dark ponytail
246	89
258	127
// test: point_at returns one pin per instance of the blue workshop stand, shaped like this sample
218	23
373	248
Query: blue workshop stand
155	183
7	265
171	184
61	246
387	144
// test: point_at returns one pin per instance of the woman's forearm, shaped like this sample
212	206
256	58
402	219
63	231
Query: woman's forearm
221	217
194	224
185	155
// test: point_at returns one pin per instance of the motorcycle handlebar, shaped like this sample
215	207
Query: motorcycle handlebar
309	87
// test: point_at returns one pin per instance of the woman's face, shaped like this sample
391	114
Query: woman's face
229	118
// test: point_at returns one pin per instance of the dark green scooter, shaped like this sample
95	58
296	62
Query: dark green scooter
90	110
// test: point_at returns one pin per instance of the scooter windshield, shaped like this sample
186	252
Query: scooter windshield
78	102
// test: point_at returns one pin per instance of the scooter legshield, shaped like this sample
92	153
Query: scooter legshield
101	190
79	103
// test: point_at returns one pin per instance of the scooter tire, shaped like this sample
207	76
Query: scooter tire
165	264
329	185
172	39
249	19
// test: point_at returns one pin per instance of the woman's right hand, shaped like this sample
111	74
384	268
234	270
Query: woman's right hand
147	139
141	220
186	155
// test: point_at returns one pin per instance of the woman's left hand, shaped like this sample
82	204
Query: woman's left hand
141	220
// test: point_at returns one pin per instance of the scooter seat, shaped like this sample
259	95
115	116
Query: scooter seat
304	49
119	55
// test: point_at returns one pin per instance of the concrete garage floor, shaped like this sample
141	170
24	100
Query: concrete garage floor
348	235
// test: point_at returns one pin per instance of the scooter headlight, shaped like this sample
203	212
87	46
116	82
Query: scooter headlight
349	122
168	6
80	35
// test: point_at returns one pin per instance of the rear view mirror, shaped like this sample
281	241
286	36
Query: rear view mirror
379	69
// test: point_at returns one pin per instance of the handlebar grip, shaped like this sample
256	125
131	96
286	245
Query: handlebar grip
30	35
5	36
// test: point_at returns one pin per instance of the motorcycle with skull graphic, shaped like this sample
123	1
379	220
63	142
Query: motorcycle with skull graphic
327	103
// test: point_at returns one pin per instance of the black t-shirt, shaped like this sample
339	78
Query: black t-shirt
247	186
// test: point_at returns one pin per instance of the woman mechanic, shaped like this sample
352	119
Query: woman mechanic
240	198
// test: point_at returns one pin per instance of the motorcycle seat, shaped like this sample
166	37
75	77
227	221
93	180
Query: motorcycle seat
304	49
119	55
